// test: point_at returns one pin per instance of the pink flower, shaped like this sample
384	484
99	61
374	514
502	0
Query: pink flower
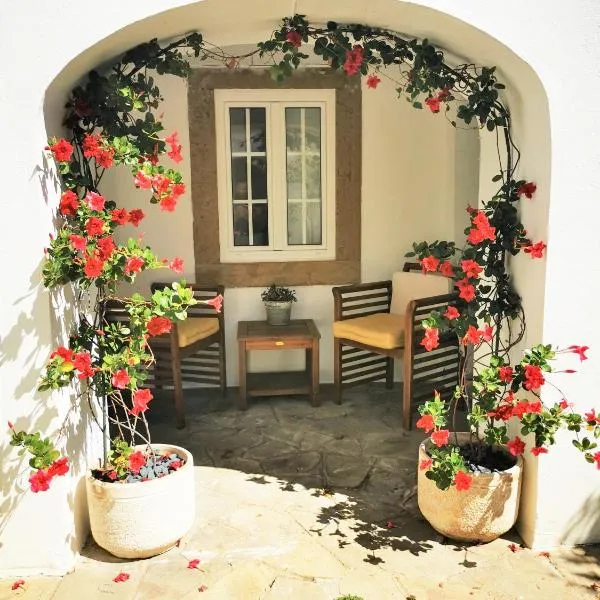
216	302
95	201
580	351
19	583
429	263
176	265
431	339
451	313
121	577
142	181
440	437
373	81
294	38
193	564
447	269
134	264
136	461
120	379
354	59
39	481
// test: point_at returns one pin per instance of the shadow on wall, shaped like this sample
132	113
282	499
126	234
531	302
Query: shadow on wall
585	524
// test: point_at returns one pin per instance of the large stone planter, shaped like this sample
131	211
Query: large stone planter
138	520
482	513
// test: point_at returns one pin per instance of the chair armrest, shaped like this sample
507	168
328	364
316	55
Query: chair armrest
419	309
411	266
361	300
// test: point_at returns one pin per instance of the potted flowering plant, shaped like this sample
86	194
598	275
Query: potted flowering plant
106	363
278	304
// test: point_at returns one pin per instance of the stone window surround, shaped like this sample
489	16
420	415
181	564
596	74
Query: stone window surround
348	138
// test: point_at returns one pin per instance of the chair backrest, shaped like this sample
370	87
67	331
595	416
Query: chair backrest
407	286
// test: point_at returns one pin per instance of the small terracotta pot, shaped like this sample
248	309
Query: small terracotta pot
482	513
142	519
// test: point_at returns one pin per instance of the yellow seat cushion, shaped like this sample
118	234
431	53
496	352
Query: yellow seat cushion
383	330
192	330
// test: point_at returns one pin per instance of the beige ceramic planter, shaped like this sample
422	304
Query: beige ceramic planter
482	513
138	520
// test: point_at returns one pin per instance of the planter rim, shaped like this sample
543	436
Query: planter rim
151	483
425	444
277	302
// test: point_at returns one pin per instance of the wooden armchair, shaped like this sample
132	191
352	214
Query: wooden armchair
374	323
194	350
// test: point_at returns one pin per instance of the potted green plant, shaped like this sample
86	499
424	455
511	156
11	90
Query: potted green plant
278	304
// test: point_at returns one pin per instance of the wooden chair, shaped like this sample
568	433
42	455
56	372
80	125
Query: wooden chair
194	350
374	323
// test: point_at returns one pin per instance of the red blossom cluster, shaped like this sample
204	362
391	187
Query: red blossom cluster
96	147
476	336
61	149
354	60
434	102
174	152
39	481
78	361
164	189
294	38
431	340
373	81
481	230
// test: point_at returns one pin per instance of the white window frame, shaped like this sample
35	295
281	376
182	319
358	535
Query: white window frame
278	249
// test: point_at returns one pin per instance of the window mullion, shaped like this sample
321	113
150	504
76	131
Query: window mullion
277	175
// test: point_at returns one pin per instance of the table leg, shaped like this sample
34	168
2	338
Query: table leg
242	403
314	388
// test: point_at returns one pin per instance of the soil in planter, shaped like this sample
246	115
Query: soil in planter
158	466
480	458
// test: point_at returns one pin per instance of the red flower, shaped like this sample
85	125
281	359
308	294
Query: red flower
537	450
175	154
482	229
534	407
373	81
135	216
61	149
433	104
78	242
94	226
597	459
440	437
19	583
136	461
176	464
121	577
475	237
59	467
69	203
160	183
426	423
486	333
533	377
40	481
106	246
430	263
467	290
119	216
93	267
425	464
431	339
591	417
294	38
178	189
65	353
140	401
95	201
462	481
216	302
536	250
120	379
580	350
473	336
176	265
91	145
520	408
82	361
142	181
451	313
471	268
134	264
354	59
112	475
193	564
527	190
516	446
168	203
503	413
505	374
447	269
104	157
564	404
159	325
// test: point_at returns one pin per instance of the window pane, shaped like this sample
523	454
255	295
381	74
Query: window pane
260	224
313	223
239	178
259	178
258	129
237	127
241	235
313	177
293	132
312	129
294	177
294	223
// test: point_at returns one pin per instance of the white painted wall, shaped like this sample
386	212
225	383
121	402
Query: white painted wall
561	497
412	174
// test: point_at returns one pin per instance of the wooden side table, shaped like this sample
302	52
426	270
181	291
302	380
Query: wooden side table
259	335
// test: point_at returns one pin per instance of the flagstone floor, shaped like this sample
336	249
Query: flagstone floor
311	503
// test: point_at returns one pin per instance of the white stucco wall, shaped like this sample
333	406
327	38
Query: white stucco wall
562	495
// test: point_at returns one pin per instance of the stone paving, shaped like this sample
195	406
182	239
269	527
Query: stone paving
312	503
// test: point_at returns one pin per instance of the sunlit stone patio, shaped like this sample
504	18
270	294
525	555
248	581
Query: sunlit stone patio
308	503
